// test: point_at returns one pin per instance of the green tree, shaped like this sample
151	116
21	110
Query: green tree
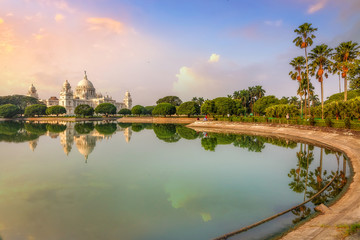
84	128
304	40
137	127
166	132
199	100
174	100
321	65
19	100
36	128
105	108
224	105
346	53
106	128
299	65
354	75
186	133
188	108
208	107
124	111
164	109
149	109
138	110
209	143
84	110
36	109
265	102
55	110
9	110
55	128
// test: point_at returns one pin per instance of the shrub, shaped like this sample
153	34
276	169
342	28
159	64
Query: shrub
328	122
125	111
36	109
56	110
347	123
312	121
9	110
105	108
84	110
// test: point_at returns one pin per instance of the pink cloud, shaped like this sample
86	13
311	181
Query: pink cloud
107	24
320	4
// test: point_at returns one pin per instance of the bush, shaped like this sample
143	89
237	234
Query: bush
84	110
347	123
36	109
125	111
138	110
328	122
9	110
164	109
312	121
55	110
105	108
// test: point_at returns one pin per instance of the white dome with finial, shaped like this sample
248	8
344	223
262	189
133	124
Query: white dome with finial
85	83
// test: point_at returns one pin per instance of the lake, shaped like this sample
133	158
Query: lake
94	180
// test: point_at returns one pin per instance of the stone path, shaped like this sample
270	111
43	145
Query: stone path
344	211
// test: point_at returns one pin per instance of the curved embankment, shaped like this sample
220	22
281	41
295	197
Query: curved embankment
344	211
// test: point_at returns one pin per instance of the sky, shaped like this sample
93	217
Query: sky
156	48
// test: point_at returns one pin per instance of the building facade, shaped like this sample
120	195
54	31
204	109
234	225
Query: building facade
85	93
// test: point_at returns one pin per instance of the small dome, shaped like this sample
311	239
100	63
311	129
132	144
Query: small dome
66	84
85	83
32	88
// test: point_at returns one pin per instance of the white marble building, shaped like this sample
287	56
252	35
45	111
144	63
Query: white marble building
85	93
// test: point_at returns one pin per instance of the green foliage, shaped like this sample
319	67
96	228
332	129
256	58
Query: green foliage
84	110
137	127
188	108
106	128
138	110
164	109
56	128
10	127
209	143
340	96
328	122
282	110
84	128
312	121
10	132
105	108
124	125
148	110
55	110
347	123
186	133
19	100
124	111
223	138
36	109
36	128
174	100
208	107
251	143
9	110
224	105
265	102
166	132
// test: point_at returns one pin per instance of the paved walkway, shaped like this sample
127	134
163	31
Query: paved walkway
344	211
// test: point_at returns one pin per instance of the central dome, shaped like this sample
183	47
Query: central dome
85	83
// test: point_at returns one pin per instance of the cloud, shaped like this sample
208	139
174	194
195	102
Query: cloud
59	17
276	23
1	21
105	24
214	58
320	4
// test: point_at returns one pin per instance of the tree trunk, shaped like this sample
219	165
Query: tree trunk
345	88
322	100
307	76
339	83
305	105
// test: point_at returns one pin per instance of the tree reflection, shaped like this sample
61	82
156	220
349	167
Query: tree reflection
84	128
36	128
56	128
12	132
166	132
209	143
187	133
106	128
251	143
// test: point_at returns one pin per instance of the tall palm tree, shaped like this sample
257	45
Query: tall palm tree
321	65
259	92
346	53
336	69
298	64
294	100
304	40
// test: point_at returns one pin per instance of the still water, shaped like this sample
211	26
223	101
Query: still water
143	181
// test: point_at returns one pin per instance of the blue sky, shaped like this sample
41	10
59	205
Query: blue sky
155	48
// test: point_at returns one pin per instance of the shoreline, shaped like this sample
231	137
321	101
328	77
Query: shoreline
346	210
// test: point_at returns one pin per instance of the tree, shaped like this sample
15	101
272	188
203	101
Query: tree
304	40
138	110
186	133
105	108
346	53
84	110
84	128
354	75
321	65
106	128
19	100
208	107
224	105
265	102
149	109
164	109
188	108
199	100
36	109
299	64
56	128
166	132
124	111
174	100
9	110
55	110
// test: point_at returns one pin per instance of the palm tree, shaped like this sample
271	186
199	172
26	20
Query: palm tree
346	53
294	100
259	92
298	64
320	62
336	69
305	39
